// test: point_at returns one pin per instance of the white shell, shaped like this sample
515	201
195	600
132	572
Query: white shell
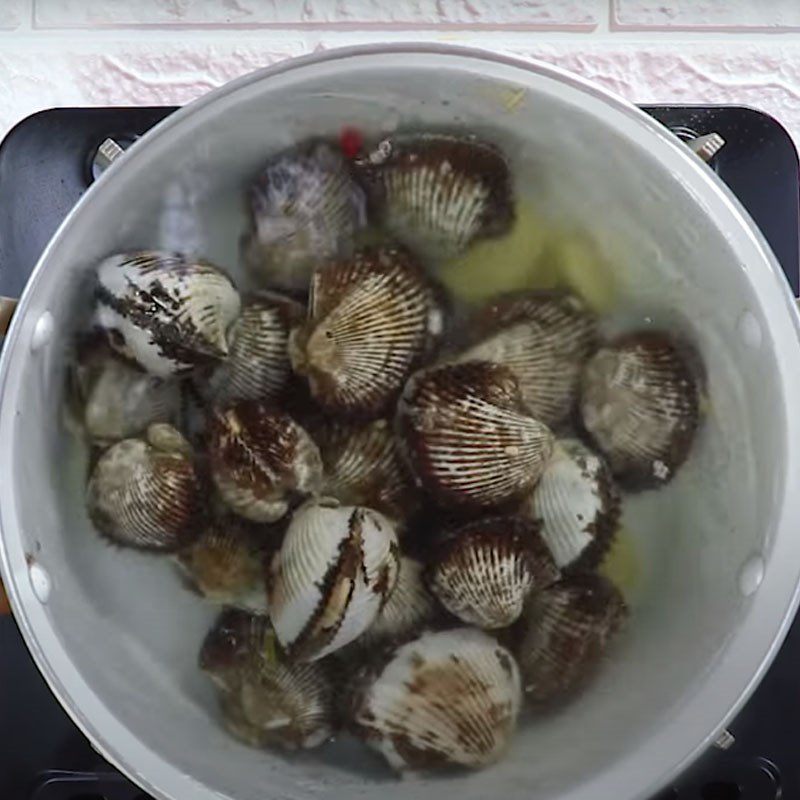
447	698
335	569
164	310
576	503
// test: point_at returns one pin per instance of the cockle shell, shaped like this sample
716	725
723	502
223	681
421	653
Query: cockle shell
266	701
483	572
467	436
640	404
227	564
577	504
437	193
305	209
146	493
545	338
117	400
446	698
409	608
166	311
362	466
565	634
335	570
371	318
260	457
257	366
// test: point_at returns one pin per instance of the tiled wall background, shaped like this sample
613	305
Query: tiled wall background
97	52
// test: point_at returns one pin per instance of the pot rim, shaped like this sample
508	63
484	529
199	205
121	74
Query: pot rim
667	750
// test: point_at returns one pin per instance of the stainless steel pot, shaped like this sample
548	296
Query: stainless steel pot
116	637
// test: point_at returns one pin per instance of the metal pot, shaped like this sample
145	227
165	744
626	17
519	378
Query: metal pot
116	637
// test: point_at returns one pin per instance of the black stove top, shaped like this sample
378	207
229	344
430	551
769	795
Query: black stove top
47	162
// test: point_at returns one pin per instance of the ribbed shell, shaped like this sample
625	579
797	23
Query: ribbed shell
467	436
119	401
362	466
484	571
577	505
371	318
335	569
267	700
566	633
640	405
437	193
409	608
447	698
168	312
305	209
259	458
545	338
146	494
257	366
227	565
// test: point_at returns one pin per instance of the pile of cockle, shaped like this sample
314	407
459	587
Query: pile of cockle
401	509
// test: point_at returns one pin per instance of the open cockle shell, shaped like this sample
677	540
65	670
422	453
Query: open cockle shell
444	699
371	318
145	493
305	208
483	572
640	405
437	193
467	436
260	457
166	311
257	366
266	700
545	338
335	570
577	504
566	632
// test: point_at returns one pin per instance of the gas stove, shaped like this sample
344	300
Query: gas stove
46	163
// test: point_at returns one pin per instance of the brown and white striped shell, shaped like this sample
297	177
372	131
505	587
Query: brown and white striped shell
370	320
640	405
305	209
545	338
260	458
468	437
257	366
227	563
577	505
566	633
483	572
266	700
335	570
145	493
362	466
444	699
438	193
410	606
116	400
166	311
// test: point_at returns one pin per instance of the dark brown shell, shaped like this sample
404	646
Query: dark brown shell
362	466
468	437
565	634
483	572
545	338
146	493
371	318
259	457
437	193
640	405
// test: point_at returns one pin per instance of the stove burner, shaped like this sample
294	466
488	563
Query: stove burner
46	163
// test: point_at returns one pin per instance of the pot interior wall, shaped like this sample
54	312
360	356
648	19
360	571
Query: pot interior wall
133	631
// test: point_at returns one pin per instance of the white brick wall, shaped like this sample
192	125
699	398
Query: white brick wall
102	52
